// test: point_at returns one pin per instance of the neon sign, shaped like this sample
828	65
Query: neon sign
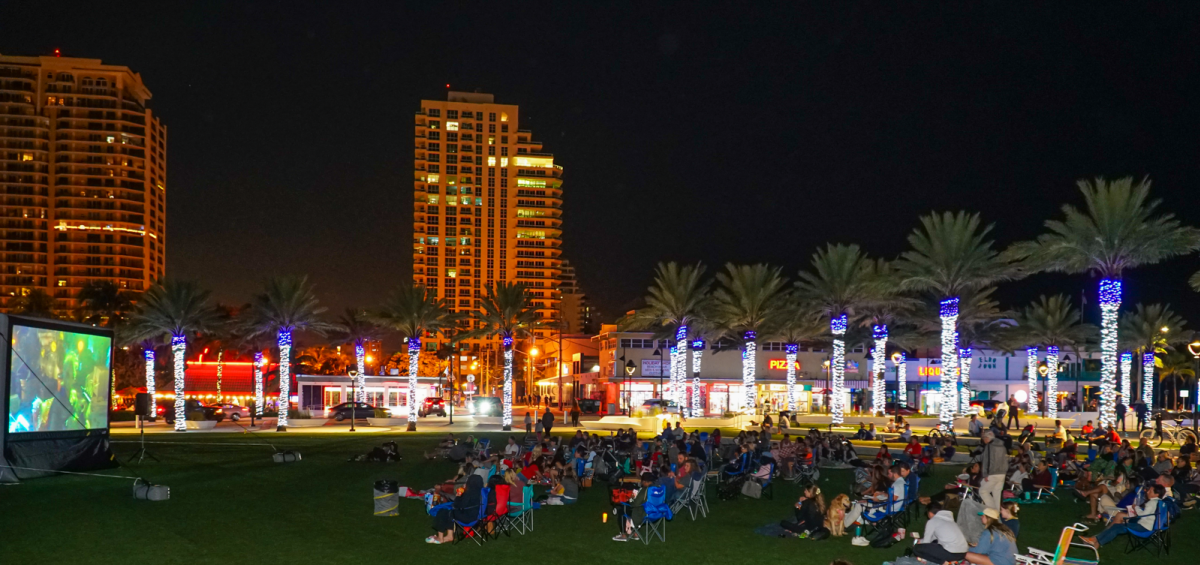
780	365
929	371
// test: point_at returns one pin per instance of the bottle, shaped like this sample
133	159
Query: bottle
604	518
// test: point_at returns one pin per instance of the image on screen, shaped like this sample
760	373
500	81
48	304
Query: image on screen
58	380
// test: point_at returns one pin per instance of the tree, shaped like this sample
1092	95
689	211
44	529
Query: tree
359	329
750	300
176	310
1151	331
676	302
1175	367
36	302
414	311
1054	323
506	312
951	254
1118	229
885	305
981	324
842	281
103	303
799	323
321	360
287	304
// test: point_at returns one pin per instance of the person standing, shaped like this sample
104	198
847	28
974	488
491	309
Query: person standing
528	422
547	421
1013	406
1120	416
575	413
993	467
1139	408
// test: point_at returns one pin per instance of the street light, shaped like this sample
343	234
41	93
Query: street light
1042	371
354	403
1194	347
658	353
896	361
629	369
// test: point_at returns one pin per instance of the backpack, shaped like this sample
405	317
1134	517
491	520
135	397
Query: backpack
752	489
883	536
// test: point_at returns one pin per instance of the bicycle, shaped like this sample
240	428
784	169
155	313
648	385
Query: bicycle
1172	433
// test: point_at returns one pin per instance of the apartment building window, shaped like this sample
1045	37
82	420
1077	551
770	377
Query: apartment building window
504	152
504	128
503	182
451	114
435	135
492	118
479	116
433	112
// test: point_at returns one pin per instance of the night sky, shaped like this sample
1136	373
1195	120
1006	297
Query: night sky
733	134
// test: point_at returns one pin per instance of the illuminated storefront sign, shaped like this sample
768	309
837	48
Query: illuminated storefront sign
929	371
780	365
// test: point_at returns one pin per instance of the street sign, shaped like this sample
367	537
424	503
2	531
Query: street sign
470	378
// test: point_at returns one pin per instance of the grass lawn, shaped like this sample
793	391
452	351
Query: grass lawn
231	504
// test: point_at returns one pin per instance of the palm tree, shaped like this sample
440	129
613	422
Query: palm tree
256	344
172	309
36	302
751	300
103	303
799	324
359	329
414	311
981	324
676	302
1175	367
1152	330
1117	230
842	282
951	254
885	305
287	304
507	313
1052	322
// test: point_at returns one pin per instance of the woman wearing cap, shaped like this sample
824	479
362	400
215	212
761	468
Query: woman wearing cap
997	544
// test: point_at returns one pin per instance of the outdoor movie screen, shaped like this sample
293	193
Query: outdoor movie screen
58	380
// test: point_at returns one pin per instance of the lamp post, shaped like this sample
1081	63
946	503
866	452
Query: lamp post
658	353
353	403
629	369
896	358
1045	403
1194	347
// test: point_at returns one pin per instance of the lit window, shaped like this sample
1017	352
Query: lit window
504	116
451	273
504	161
432	199
111	139
452	200
27	156
478	201
491	140
62	283
431	178
491	161
451	126
434	124
433	241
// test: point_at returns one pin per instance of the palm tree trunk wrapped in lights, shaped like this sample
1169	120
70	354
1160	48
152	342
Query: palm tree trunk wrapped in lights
284	341
837	368
901	361
1031	374
178	348
149	354
1052	381
1148	384
1110	306
878	366
949	390
793	349
964	371
749	364
360	360
258	383
506	420
414	364
679	354
1126	376
697	356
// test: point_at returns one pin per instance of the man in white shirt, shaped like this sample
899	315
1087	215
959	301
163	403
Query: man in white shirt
943	540
1141	518
897	494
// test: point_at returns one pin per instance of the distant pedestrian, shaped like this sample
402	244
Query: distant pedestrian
528	422
1120	416
1139	408
1013	408
547	421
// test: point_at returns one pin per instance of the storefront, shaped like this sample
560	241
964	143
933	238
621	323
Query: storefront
318	393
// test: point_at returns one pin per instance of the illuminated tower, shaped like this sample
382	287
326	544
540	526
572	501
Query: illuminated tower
82	178
487	205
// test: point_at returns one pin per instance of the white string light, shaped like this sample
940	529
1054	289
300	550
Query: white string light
679	368
1126	377
360	354
1110	304
178	347
964	370
220	372
1052	381
949	391
149	354
284	341
414	364
837	367
506	420
1148	384
878	366
258	383
792	350
697	355
749	358
1031	366
901	379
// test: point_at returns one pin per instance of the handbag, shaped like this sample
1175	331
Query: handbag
752	489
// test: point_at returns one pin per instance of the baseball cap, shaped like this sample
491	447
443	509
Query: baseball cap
990	513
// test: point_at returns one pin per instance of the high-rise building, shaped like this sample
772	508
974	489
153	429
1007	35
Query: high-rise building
83	178
488	206
577	314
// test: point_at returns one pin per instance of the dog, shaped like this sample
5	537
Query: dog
835	515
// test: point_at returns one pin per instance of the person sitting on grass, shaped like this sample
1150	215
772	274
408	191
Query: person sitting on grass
997	544
897	492
943	540
1008	516
810	513
884	455
465	508
1144	514
906	434
635	512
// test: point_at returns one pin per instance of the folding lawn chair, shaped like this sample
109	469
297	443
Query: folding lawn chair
1156	539
657	513
471	530
1059	557
520	514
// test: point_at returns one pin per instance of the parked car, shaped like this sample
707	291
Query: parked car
989	406
356	410
233	411
432	405
486	406
890	410
166	409
589	406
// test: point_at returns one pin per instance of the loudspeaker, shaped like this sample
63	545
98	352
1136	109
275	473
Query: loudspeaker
143	405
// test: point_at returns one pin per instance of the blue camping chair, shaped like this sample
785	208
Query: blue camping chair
471	530
911	492
1157	538
738	469
884	514
657	513
768	480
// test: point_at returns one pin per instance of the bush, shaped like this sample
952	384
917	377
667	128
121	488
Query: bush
196	416
299	415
